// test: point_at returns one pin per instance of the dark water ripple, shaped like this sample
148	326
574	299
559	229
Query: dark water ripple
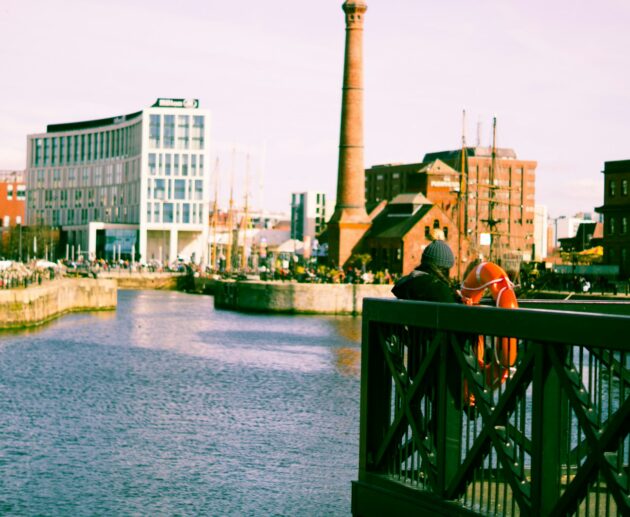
170	408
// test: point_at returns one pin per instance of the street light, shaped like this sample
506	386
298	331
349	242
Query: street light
19	223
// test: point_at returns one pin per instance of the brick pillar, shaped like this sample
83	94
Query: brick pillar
350	222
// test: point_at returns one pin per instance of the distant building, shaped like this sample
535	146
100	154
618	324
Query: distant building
588	235
565	227
136	182
309	213
540	232
497	198
12	198
403	228
616	213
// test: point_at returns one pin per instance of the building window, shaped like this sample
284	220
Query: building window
21	192
624	224
198	190
436	223
193	165
168	212
183	131
167	164
184	165
180	189
197	132
158	189
611	226
154	130
624	187
186	213
611	188
152	169
169	131
9	191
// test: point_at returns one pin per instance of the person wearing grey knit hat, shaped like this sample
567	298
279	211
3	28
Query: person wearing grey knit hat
430	280
439	254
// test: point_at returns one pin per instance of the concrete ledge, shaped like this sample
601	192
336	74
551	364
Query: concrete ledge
35	305
295	298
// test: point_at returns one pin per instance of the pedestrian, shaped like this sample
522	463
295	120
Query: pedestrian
430	280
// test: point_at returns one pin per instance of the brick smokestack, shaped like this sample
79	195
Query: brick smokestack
350	220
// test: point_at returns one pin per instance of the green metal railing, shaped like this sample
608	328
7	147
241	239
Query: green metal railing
447	431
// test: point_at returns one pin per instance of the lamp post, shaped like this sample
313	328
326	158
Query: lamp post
20	241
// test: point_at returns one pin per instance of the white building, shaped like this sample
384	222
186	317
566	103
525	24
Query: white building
133	183
309	213
540	232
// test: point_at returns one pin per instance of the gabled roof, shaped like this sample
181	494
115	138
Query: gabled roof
387	226
410	198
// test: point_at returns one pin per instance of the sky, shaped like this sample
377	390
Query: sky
555	73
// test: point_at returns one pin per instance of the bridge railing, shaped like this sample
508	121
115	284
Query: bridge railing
447	427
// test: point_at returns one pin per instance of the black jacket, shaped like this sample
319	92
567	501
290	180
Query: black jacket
424	286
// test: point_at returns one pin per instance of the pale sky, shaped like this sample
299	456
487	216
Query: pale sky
555	73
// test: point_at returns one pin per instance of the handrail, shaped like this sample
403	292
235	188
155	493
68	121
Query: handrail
436	435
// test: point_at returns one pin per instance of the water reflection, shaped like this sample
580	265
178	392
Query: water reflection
169	407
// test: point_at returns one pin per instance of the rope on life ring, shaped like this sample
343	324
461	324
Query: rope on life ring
489	276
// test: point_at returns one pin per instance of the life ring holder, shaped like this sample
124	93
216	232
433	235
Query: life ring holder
490	276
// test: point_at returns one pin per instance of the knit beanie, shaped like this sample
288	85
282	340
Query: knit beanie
439	254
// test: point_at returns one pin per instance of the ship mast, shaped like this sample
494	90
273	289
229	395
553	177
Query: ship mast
462	200
244	222
215	216
230	218
491	222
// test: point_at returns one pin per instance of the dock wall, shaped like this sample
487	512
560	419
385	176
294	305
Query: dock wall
37	304
296	298
145	280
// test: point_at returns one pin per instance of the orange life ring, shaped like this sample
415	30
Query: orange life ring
489	276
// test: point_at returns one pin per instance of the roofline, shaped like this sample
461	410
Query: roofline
90	124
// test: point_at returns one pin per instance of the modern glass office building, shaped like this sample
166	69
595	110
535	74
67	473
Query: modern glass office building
136	183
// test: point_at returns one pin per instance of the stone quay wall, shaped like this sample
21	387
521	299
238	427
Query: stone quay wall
144	280
35	305
296	298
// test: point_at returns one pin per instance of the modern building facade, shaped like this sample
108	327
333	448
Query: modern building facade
616	213
309	213
134	184
12	198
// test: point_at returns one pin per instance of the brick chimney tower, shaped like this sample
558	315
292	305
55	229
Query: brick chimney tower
350	221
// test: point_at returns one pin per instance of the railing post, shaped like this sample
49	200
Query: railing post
375	395
449	416
547	430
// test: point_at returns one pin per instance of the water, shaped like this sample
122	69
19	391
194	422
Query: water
167	407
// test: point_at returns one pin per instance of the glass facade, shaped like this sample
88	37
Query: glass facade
147	169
